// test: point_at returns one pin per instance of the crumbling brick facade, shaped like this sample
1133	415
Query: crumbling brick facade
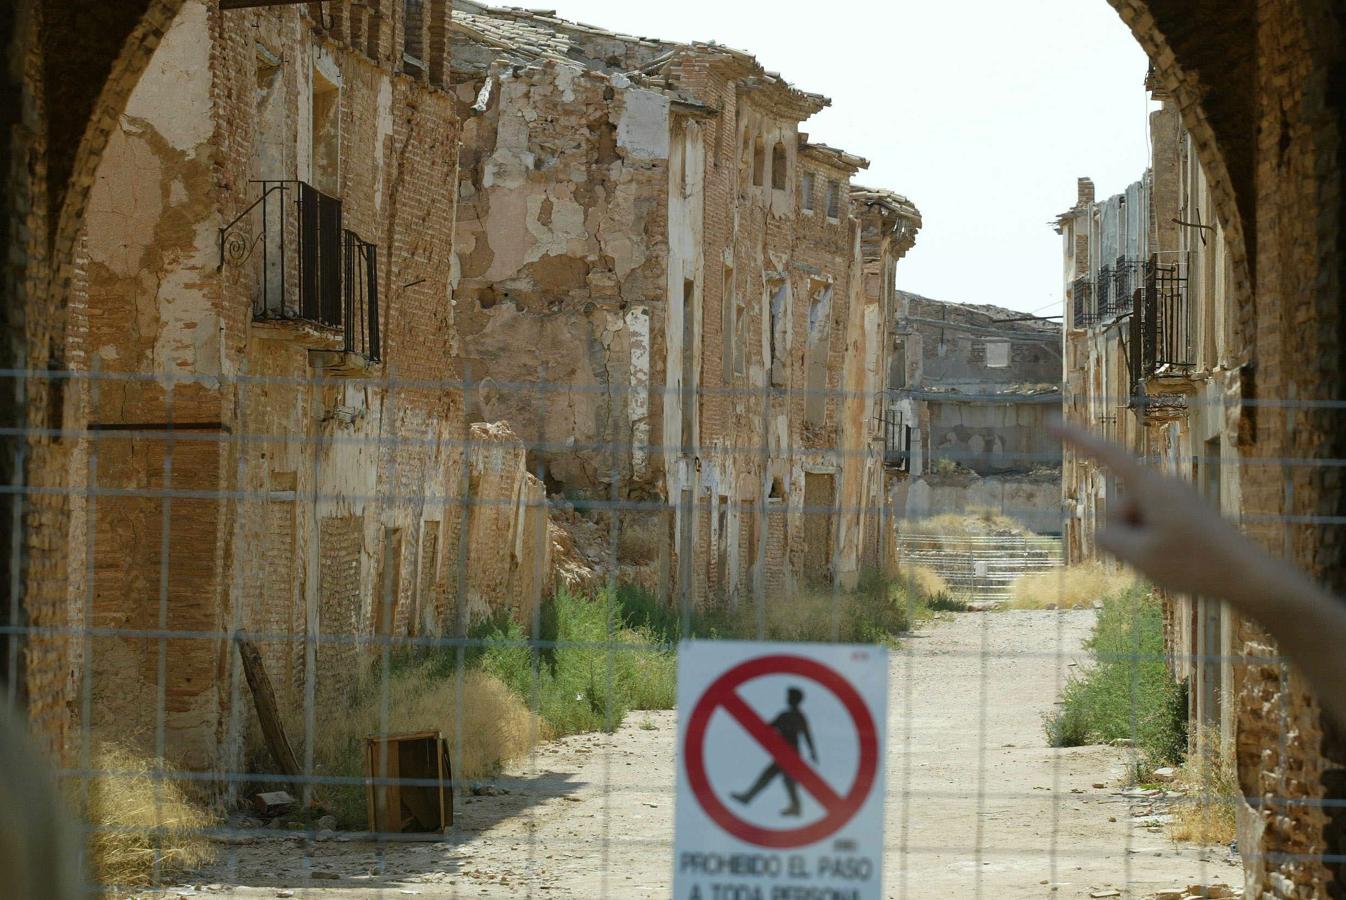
686	267
285	449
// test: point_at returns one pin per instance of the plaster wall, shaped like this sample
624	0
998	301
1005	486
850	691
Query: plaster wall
564	278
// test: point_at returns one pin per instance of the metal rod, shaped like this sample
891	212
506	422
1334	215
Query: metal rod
266	258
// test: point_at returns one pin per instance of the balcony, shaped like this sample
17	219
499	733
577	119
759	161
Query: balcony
1084	314
1161	337
1126	276
304	267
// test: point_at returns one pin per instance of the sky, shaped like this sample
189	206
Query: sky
982	112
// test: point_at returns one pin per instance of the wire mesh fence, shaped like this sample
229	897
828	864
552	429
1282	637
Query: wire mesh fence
394	653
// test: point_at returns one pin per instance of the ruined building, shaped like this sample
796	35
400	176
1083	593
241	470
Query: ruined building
970	391
1155	360
265	432
1150	363
355	288
662	286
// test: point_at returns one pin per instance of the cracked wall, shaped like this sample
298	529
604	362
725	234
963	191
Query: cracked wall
562	245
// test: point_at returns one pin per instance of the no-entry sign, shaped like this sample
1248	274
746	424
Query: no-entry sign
780	771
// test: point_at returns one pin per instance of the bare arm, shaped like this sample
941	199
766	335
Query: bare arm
1170	535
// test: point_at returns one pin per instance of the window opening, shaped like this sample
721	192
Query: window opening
817	346
779	163
780	323
833	199
688	367
413	35
326	134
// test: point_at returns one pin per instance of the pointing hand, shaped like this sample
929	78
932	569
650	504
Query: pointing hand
1161	527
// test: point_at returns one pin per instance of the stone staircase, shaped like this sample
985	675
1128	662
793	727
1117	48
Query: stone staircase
981	569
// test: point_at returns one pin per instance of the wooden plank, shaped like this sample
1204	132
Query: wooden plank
268	713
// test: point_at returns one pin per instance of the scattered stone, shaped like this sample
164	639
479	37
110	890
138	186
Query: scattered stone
284	893
1165	774
1099	785
327	823
1106	894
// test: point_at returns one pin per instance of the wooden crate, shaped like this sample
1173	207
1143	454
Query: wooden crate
416	808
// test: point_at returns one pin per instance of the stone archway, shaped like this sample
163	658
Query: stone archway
72	68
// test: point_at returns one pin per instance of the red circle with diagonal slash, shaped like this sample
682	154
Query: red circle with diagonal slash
723	694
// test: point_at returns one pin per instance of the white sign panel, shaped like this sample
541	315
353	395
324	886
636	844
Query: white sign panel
780	771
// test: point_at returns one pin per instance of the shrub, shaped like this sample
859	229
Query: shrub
924	580
1067	727
1080	585
876	611
943	602
592	669
144	829
496	727
1208	811
1128	694
643	611
954	528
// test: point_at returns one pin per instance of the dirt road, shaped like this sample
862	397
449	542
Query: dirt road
978	805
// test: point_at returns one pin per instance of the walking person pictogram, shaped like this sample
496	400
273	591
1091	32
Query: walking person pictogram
791	725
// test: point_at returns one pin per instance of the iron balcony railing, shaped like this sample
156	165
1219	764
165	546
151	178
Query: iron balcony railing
1161	339
1084	311
305	265
1127	275
360	297
1103	287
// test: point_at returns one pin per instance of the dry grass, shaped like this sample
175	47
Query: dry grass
496	728
973	523
1207	815
143	827
925	579
1080	585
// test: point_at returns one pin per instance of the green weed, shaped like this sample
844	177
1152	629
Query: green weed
1128	694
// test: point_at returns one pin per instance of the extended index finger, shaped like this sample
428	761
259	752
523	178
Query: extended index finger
1104	451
